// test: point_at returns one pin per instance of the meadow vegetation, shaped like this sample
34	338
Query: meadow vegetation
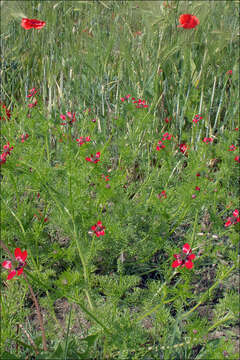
119	180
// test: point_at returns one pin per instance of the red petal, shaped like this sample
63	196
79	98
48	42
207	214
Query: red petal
11	275
24	255
236	213
17	253
176	263
20	271
7	264
191	257
188	264
186	248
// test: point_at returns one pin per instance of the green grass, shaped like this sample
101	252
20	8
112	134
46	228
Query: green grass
117	296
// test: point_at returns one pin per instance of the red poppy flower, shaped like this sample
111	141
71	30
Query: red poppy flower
7	149
70	116
183	148
197	118
162	194
188	21
20	258
98	229
32	24
234	219
7	112
208	140
166	136
198	174
160	146
237	158
197	188
184	259
229	72
94	159
32	104
24	137
232	148
167	120
83	140
32	92
106	178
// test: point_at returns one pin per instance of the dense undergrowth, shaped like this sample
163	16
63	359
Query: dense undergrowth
119	135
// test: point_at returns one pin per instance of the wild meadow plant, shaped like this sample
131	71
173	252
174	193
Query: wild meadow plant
119	180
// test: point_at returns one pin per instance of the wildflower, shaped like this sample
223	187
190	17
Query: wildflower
208	140
126	98
70	116
32	92
237	159
98	229
188	21
162	194
32	104
234	219
106	178
94	120
167	120
184	259
24	137
183	148
197	188
3	158
167	136
7	112
94	159
197	118
194	196
32	24
229	72
236	129
83	140
7	149
232	148
160	146
20	258
141	104
198	174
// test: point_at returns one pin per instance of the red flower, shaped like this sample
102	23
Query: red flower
20	258
126	98
3	158
197	118
198	174
24	137
232	148
162	194
197	188
160	146
229	72
32	23
183	148
237	159
83	140
184	259
208	140
188	21
94	159
71	117
234	219
167	136
98	229
106	178
167	120
32	92
32	104
7	149
7	112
